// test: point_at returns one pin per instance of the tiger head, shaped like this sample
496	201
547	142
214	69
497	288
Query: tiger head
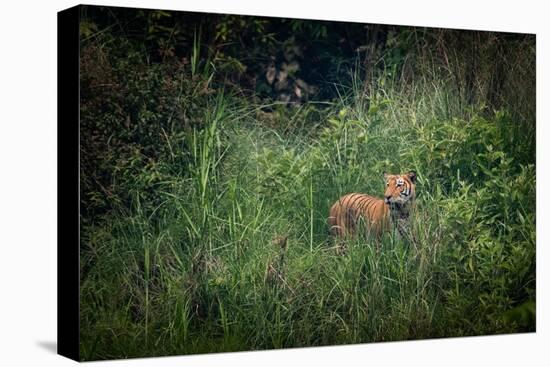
400	189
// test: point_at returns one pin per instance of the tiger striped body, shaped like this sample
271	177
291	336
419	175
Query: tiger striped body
350	209
375	215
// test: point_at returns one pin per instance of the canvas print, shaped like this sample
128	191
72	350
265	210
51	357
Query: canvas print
251	183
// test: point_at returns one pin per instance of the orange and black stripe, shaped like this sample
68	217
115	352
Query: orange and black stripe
347	212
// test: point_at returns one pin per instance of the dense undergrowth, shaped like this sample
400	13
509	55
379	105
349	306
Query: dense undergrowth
204	210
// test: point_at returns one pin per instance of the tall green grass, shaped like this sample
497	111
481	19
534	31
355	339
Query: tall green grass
203	267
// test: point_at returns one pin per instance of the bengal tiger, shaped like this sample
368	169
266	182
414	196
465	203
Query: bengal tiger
378	215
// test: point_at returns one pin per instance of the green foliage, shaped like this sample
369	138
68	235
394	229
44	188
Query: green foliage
204	208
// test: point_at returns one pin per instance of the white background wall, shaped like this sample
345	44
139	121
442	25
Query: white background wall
28	181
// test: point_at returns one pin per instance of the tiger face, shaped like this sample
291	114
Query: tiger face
400	189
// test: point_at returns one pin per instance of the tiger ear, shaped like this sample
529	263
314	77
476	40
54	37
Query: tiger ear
412	176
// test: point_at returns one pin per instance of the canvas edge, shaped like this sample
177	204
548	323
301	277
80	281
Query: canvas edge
68	186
